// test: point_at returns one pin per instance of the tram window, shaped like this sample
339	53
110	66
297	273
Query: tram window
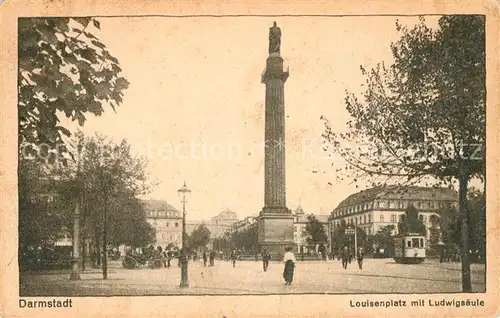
415	242
408	243
421	243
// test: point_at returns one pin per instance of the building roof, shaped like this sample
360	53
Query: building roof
158	205
400	192
322	218
226	215
299	210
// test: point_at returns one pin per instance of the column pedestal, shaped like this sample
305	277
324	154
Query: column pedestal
275	231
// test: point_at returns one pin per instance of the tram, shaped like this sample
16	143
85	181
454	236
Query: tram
409	248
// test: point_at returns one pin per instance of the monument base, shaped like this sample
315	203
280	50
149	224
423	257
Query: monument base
275	231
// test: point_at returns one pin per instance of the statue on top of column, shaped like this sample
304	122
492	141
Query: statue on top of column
274	39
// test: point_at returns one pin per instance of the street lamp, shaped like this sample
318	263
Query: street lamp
183	195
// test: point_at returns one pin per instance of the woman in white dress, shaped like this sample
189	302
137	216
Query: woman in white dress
289	261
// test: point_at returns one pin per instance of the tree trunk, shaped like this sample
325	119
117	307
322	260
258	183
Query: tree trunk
104	241
97	249
84	254
82	242
464	216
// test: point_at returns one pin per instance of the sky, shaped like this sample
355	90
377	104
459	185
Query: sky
195	105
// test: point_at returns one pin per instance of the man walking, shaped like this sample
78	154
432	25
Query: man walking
345	257
212	258
265	259
234	257
360	256
204	258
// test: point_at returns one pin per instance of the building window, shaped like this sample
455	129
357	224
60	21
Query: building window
176	224
381	218
364	218
394	218
401	204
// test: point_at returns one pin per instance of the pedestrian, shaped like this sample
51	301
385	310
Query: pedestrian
360	256
234	257
345	257
289	261
169	258
442	253
212	258
165	256
204	258
159	255
265	259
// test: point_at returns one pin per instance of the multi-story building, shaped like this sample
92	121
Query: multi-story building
166	220
377	207
218	225
222	223
300	234
243	224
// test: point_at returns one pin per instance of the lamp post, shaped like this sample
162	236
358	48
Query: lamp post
183	194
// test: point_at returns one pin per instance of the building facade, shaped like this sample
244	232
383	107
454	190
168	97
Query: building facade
377	207
218	225
166	220
222	223
243	224
300	234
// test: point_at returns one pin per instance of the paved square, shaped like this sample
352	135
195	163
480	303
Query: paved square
377	276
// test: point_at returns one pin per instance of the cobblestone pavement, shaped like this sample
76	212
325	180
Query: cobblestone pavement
377	276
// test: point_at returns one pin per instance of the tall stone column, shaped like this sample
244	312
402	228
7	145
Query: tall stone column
275	221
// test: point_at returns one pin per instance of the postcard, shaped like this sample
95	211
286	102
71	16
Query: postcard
274	159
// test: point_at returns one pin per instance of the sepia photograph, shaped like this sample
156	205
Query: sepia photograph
276	159
251	155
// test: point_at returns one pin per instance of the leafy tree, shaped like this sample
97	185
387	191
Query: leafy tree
477	219
445	227
112	177
410	222
339	237
424	115
315	231
128	225
64	69
42	208
343	238
245	239
383	238
104	177
222	243
384	235
199	238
